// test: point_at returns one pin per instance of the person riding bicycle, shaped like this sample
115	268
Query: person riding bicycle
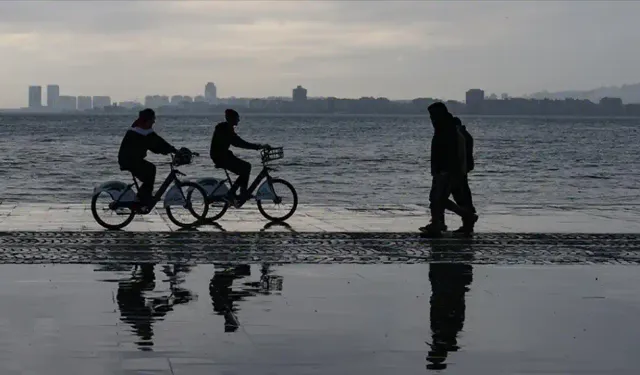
225	136
139	139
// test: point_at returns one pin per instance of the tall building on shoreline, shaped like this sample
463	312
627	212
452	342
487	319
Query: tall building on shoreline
299	94
53	93
35	96
84	103
67	103
474	100
100	102
211	93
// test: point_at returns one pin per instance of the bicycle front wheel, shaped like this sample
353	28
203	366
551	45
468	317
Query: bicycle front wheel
109	218
193	210
282	205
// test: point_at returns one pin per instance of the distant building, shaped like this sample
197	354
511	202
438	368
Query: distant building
130	104
35	96
612	106
100	102
187	99
156	101
211	93
299	94
475	100
199	99
53	93
67	103
84	103
237	102
176	99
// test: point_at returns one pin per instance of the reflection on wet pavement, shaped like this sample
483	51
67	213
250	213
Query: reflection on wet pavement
140	307
450	282
340	319
136	311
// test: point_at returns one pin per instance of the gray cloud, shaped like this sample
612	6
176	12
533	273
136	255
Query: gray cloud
400	49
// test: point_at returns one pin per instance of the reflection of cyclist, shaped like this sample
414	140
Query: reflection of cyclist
140	313
133	151
225	136
223	297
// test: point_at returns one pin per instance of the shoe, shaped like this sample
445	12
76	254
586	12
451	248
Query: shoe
233	201
141	209
467	227
431	231
430	227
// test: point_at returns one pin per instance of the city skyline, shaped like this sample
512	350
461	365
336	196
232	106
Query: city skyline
396	49
476	102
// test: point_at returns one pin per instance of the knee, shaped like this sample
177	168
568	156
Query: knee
246	168
151	172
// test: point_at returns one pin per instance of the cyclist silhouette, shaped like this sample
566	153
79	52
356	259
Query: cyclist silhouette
225	136
139	139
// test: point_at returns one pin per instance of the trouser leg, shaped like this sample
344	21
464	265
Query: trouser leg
240	168
145	171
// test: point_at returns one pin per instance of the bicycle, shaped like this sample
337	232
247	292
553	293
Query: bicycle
218	189
122	198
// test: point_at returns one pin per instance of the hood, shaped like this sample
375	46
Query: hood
442	121
440	116
139	124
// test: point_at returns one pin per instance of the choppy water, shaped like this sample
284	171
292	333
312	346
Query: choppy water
569	162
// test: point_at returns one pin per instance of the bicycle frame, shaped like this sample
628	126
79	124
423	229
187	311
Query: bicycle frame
265	190
172	177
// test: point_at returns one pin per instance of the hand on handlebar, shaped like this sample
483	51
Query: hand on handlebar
193	153
265	147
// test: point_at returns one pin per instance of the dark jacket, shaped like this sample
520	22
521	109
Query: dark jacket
444	147
224	136
137	142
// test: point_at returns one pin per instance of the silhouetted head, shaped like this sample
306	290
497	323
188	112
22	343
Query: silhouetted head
439	114
232	117
146	119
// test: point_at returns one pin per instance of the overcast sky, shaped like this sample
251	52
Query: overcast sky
397	49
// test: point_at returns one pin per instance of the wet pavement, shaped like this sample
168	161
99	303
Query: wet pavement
285	247
312	218
334	291
318	319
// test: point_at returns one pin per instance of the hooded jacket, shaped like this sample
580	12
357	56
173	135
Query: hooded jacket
224	136
137	141
444	144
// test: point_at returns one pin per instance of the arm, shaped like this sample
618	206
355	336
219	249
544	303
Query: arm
241	143
438	155
158	145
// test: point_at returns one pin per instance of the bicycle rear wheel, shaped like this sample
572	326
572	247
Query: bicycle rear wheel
107	217
195	207
283	205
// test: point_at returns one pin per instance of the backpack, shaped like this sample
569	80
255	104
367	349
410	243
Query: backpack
468	147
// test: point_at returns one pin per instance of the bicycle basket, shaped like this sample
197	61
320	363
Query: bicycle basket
272	154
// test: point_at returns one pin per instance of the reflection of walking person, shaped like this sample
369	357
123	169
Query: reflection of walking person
449	283
448	169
